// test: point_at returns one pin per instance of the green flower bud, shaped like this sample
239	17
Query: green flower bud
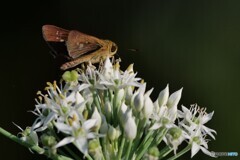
70	76
113	133
48	140
175	132
153	151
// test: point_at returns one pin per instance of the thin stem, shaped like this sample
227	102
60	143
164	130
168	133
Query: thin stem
103	143
165	151
186	149
96	101
121	148
129	149
35	148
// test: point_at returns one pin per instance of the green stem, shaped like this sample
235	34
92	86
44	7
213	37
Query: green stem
35	148
186	149
103	144
88	157
129	149
115	108
121	148
96	101
160	134
165	151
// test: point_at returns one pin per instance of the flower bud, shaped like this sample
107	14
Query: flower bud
148	107
113	133
129	94
108	110
107	68
94	149
29	136
138	101
70	76
129	125
163	97
48	141
152	154
120	95
104	126
174	137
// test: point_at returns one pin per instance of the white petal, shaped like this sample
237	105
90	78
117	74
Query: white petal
124	108
209	131
174	98
89	123
163	96
63	128
79	98
207	152
107	64
156	126
83	86
91	135
37	124
195	149
82	145
148	93
65	141
96	115
207	117
49	118
71	97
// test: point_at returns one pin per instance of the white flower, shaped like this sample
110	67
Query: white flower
118	79
198	142
165	115
79	134
91	78
28	135
196	118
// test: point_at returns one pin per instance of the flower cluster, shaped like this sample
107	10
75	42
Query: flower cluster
106	113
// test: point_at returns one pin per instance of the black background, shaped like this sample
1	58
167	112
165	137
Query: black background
189	44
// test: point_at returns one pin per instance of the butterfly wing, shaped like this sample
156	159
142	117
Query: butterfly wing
79	43
53	33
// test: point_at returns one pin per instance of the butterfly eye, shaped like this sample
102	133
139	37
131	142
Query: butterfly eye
114	48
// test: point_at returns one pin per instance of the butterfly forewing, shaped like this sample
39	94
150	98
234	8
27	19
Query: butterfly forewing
54	34
79	43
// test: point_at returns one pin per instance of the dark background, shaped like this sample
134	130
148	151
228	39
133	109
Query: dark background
190	44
